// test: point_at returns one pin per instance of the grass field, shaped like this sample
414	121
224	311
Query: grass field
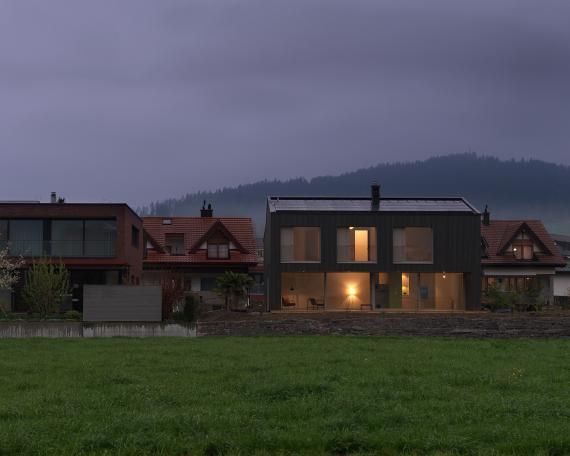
294	395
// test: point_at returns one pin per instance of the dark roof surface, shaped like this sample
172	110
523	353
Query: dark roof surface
331	204
194	230
500	232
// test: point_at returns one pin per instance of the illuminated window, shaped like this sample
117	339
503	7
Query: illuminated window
405	284
356	245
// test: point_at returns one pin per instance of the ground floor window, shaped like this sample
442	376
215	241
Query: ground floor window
348	291
302	290
367	291
420	291
514	283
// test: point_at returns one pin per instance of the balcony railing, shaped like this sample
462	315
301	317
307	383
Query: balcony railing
61	249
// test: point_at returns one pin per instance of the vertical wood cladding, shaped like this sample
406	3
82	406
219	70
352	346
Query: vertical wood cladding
456	245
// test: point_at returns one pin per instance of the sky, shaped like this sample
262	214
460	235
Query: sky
140	100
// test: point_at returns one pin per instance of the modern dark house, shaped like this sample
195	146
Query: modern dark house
372	253
198	250
98	243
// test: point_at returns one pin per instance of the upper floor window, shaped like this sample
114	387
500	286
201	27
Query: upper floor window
355	244
59	237
26	238
3	233
100	238
413	245
66	238
218	250
135	236
174	243
523	247
301	244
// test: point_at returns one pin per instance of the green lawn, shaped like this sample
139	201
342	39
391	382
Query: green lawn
284	395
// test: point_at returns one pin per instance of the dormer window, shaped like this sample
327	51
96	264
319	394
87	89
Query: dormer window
174	244
218	250
523	247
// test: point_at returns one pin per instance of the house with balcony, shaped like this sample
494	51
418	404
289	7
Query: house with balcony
372	253
99	243
518	255
196	250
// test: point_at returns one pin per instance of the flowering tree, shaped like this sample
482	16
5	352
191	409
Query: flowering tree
9	272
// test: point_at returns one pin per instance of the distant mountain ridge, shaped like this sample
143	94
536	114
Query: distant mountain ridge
511	188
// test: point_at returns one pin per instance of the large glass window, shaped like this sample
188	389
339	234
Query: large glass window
3	233
301	244
348	291
66	238
302	291
26	238
100	238
420	291
413	245
356	244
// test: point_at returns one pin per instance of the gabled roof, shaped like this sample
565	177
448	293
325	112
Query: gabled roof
218	227
363	204
196	231
499	234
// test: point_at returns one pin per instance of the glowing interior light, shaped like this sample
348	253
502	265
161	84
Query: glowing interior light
405	284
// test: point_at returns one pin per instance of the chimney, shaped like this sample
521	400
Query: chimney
486	217
53	198
206	212
375	193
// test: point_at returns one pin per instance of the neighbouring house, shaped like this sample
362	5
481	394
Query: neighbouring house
518	255
372	253
561	279
99	243
198	250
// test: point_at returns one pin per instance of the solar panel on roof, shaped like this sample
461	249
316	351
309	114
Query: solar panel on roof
386	205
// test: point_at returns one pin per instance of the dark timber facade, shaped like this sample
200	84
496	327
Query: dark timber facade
372	254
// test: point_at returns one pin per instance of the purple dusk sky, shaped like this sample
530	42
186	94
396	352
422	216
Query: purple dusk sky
138	100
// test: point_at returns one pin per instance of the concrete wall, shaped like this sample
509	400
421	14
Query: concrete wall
25	329
122	303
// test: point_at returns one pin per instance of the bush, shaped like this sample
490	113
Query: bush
191	311
46	285
73	315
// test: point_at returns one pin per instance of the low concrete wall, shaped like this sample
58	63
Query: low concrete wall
24	330
138	330
122	303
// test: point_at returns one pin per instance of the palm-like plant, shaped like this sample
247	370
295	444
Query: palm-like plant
233	286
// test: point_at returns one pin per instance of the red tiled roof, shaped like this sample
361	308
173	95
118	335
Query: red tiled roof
194	229
499	233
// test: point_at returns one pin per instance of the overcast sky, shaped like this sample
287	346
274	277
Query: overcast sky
138	100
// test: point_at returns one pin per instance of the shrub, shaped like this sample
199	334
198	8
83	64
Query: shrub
46	285
192	308
233	287
73	315
191	311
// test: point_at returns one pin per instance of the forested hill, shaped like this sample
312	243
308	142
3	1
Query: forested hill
511	188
